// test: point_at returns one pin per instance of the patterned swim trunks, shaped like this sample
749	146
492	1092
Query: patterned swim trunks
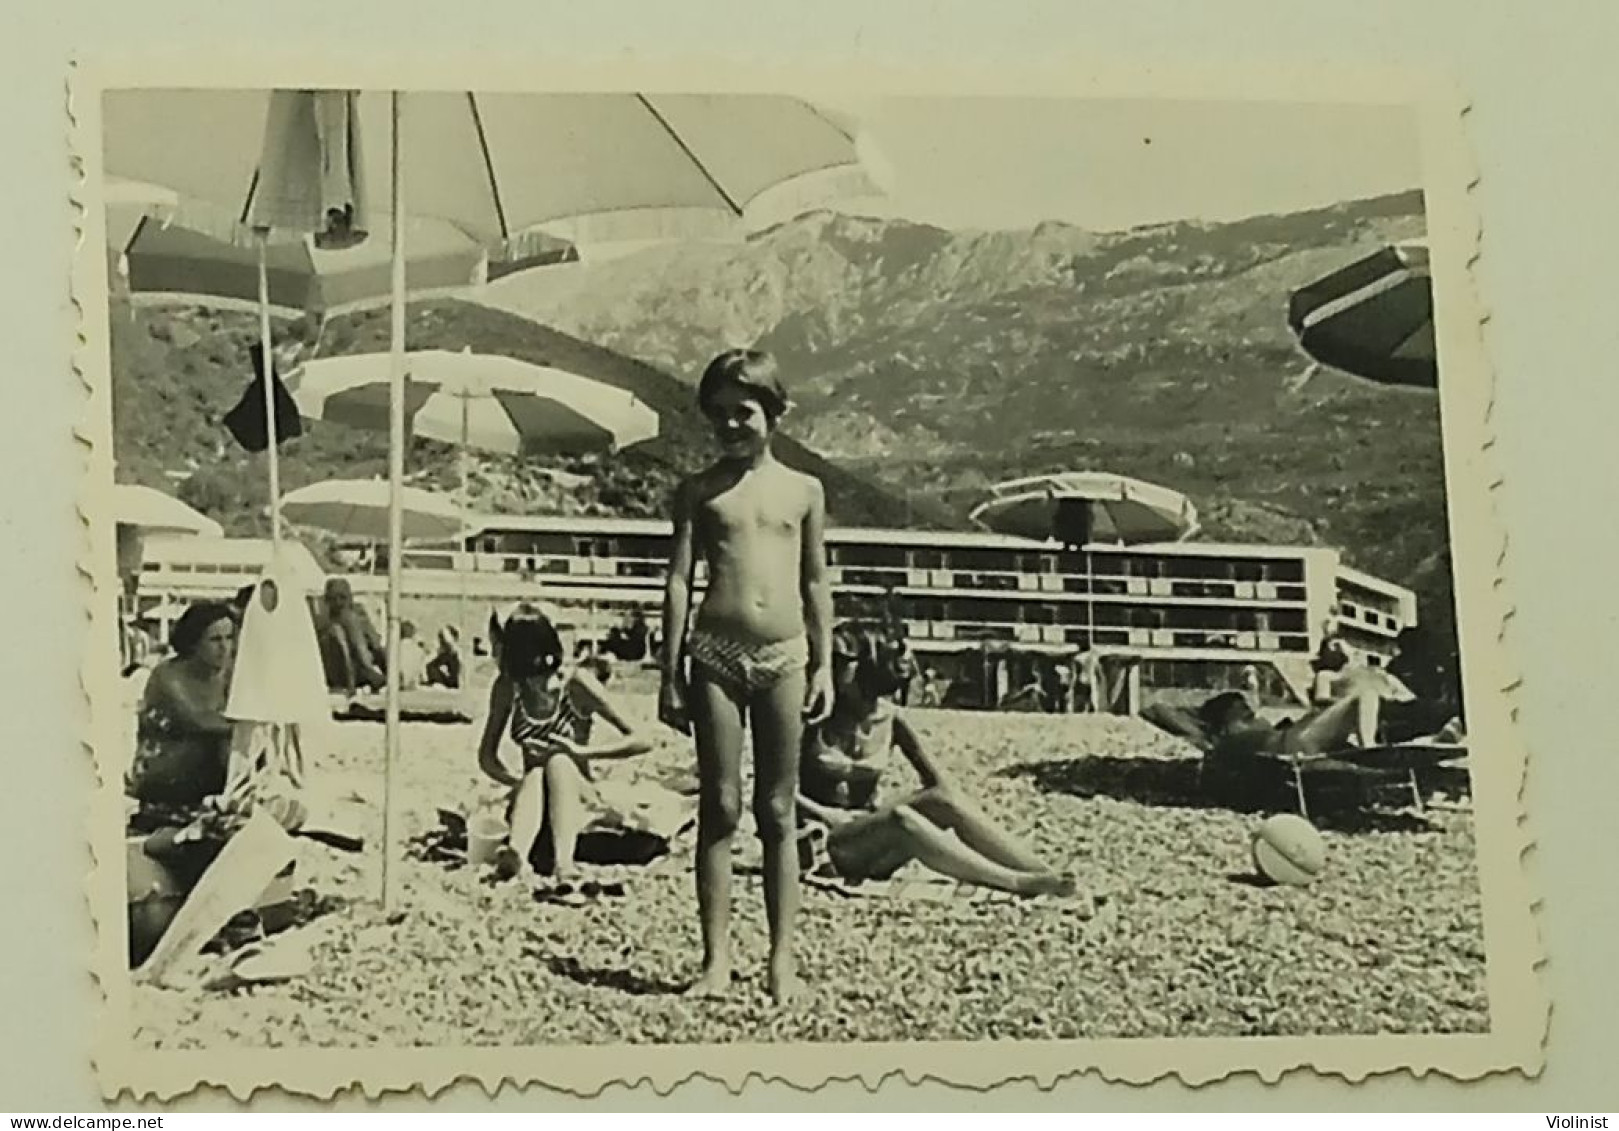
744	666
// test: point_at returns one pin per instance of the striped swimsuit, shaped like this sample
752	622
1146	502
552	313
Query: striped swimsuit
535	734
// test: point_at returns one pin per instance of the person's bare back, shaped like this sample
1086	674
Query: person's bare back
747	525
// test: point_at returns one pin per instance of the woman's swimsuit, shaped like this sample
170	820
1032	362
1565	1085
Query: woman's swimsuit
832	778
536	734
175	765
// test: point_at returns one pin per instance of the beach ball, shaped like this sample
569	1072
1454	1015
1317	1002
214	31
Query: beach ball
1289	850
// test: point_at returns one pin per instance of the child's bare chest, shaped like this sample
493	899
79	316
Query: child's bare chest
752	510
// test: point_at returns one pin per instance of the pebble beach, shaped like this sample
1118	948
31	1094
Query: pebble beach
1177	939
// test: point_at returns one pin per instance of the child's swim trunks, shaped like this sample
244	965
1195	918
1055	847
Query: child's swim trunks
747	667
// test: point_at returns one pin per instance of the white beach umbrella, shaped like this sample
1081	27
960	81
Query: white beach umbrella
359	510
482	401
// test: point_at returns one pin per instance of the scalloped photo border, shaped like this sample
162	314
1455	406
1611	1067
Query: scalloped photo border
1519	1008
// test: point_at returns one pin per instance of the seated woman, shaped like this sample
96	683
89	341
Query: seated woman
844	760
551	711
183	739
351	651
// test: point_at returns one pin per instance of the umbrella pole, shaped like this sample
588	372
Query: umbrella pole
396	518
272	431
462	555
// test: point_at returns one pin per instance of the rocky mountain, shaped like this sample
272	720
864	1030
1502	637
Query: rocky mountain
936	362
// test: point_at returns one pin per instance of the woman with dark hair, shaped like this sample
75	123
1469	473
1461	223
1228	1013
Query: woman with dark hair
852	835
183	739
550	711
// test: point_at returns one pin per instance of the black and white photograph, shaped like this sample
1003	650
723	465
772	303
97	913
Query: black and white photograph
683	576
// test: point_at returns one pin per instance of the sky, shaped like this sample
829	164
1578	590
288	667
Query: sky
1107	165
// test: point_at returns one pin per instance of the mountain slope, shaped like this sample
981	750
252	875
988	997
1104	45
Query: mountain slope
176	371
938	362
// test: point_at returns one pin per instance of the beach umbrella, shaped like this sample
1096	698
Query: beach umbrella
1373	318
482	401
1081	508
150	511
594	167
598	166
358	510
476	401
165	260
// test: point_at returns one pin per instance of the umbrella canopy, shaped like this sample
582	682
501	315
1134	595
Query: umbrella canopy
1373	318
596	166
1081	508
149	511
167	260
357	510
493	403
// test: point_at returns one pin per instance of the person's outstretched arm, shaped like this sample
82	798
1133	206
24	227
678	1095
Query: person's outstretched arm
592	697
817	597
916	754
500	710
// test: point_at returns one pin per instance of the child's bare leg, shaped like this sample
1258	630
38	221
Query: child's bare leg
564	790
945	853
954	813
778	728
528	818
1332	726
717	726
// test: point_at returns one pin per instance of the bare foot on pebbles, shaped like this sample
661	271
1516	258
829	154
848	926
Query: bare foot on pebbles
711	983
785	986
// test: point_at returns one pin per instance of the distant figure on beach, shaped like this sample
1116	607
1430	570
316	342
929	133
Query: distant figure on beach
850	834
412	657
551	711
182	750
350	649
444	669
759	649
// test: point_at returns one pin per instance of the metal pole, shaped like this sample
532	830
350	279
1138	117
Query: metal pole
396	517
272	452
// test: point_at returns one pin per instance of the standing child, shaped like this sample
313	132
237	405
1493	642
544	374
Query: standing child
759	649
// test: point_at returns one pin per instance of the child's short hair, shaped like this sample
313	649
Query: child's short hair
752	371
527	645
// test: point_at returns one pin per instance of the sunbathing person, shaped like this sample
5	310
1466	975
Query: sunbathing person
551	711
1226	725
183	738
351	651
851	835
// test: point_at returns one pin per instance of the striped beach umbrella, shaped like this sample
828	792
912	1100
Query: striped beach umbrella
479	401
1373	318
1081	508
357	510
169	260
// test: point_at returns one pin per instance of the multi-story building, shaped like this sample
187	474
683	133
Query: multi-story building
979	607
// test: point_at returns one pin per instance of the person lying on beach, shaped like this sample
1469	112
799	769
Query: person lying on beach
758	649
850	834
1349	719
551	711
183	738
